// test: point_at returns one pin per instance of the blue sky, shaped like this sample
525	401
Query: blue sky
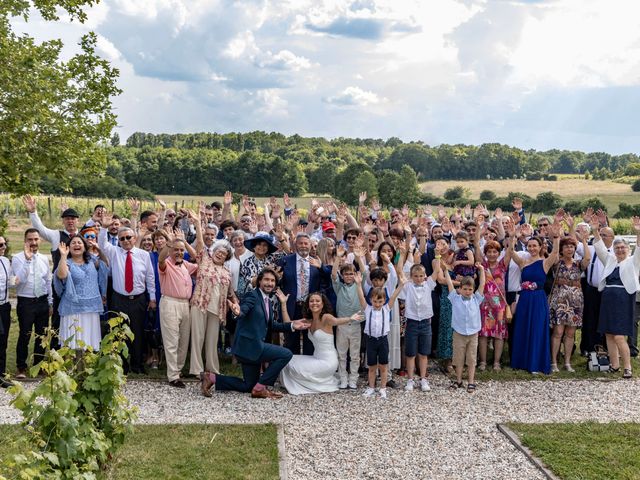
533	74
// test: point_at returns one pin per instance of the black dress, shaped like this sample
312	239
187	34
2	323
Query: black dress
617	310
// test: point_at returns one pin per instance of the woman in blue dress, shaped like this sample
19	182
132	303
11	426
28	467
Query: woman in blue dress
531	339
81	282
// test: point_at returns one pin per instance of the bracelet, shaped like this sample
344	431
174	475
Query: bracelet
438	257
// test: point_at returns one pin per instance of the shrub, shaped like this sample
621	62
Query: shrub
77	416
551	178
534	176
455	192
636	186
547	202
574	207
626	211
487	195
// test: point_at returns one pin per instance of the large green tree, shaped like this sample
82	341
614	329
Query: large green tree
55	115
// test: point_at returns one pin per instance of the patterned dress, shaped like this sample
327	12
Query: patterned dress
445	332
492	309
250	268
463	270
566	302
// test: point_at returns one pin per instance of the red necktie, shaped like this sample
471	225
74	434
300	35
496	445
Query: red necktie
128	273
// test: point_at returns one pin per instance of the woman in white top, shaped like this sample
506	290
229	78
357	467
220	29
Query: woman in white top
618	284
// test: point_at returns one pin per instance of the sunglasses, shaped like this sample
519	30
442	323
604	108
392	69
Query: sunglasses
543	225
352	238
170	215
89	236
2	245
125	239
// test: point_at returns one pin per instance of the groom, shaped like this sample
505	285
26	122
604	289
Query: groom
254	317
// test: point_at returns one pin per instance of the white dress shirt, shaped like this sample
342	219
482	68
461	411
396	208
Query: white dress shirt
465	313
7	279
27	271
143	275
417	299
595	269
377	322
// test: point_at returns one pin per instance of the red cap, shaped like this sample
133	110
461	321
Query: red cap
328	226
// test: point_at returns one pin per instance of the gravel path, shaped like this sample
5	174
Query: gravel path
437	434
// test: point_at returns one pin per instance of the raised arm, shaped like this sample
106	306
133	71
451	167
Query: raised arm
227	211
396	292
586	257
449	281
335	321
198	226
552	259
482	278
518	260
437	268
363	301
52	236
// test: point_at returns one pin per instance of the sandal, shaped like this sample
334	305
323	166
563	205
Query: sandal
627	373
497	367
482	367
471	387
613	370
455	385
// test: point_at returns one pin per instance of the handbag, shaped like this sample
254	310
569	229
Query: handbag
598	360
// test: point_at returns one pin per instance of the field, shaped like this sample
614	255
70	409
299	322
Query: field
569	187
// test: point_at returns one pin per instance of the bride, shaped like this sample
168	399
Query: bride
314	374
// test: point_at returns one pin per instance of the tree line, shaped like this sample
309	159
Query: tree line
261	164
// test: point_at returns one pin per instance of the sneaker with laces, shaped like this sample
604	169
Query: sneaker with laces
409	386
383	393
424	385
353	385
343	384
369	392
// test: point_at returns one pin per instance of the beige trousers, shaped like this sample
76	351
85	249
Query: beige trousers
175	324
348	338
205	327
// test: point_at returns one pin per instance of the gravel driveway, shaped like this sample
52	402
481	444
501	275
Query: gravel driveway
437	434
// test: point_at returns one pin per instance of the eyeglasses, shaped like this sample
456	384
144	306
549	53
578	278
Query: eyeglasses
125	239
543	225
243	220
89	236
352	238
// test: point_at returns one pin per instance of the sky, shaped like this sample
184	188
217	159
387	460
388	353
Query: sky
532	74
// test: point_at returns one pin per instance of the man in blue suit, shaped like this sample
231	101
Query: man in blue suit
255	316
300	277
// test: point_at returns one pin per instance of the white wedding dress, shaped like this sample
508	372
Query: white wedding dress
315	373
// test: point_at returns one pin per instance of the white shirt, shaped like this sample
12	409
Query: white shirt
377	321
234	267
51	236
417	299
515	274
143	276
300	295
26	272
7	279
465	313
595	269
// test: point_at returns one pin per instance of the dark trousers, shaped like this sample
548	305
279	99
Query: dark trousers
632	341
135	308
33	313
5	325
292	339
277	357
590	318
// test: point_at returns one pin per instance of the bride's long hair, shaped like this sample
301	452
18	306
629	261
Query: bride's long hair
326	306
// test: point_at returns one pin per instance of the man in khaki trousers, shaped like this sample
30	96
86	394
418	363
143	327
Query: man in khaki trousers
175	321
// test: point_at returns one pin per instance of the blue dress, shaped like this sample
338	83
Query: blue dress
617	310
445	331
531	348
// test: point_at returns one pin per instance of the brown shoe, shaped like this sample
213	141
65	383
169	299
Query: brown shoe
264	393
21	374
207	383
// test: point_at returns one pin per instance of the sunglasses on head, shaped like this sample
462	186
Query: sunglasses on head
126	239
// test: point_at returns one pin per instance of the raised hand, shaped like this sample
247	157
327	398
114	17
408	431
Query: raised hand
29	203
253	226
287	201
498	213
281	296
442	213
516	203
467	211
134	205
275	211
385	258
63	249
28	254
559	215
162	203
357	317
405	211
515	216
245	203
228	198
315	262
340	251
383	225
587	215
446	224
602	217
375	205
362	198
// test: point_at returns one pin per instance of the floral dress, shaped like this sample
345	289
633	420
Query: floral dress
463	270
566	302
492	309
250	268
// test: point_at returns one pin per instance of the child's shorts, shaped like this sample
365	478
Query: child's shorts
417	338
377	350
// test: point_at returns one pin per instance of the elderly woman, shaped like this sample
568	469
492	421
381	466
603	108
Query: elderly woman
81	283
264	254
619	284
209	301
566	302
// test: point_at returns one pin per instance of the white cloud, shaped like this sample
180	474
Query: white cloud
354	96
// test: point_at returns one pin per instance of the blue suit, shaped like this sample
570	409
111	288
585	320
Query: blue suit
250	348
289	285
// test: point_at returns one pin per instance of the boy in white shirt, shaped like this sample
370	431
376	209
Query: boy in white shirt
418	311
465	321
376	331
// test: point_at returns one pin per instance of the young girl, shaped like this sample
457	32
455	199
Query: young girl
464	259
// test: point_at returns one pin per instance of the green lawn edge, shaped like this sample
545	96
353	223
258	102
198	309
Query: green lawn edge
179	451
584	450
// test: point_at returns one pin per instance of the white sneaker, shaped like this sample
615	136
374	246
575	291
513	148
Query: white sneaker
409	386
424	385
369	392
383	393
353	385
343	384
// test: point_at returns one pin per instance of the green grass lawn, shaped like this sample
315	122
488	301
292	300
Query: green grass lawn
585	451
173	452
